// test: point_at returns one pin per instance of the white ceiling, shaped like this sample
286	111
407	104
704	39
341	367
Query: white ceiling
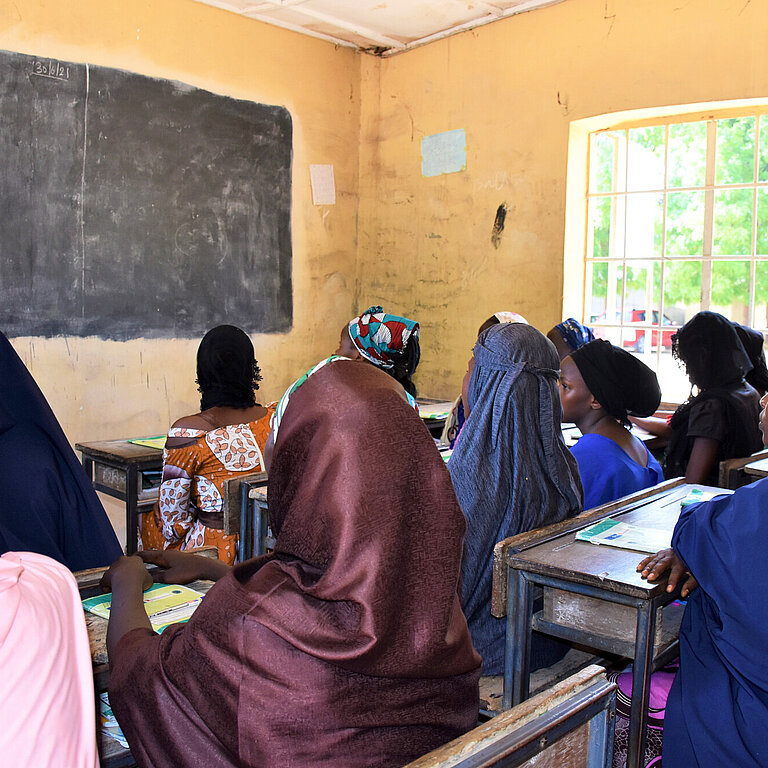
383	27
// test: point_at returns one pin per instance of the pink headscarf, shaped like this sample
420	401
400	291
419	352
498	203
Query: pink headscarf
47	710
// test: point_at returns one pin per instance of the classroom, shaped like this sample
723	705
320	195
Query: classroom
506	232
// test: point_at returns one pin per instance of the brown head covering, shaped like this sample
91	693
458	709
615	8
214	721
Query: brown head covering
347	646
369	532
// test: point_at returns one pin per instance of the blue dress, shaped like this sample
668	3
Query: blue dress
608	472
717	711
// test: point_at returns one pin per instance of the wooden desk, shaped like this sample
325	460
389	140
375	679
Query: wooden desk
433	413
757	468
111	753
115	467
570	725
595	597
571	434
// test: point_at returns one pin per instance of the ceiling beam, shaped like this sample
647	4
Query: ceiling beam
365	32
526	5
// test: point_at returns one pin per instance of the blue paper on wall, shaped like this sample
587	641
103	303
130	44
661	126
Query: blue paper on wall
444	153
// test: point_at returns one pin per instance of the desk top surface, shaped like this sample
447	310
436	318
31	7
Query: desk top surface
609	567
758	468
97	628
120	451
571	434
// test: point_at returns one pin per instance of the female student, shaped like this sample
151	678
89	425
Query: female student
753	345
599	385
225	438
347	646
511	469
389	342
47	707
48	503
457	417
717	710
569	335
720	421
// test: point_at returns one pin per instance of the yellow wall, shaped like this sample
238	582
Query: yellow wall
515	86
103	389
419	246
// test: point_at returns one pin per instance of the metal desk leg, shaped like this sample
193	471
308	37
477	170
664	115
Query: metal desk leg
641	682
131	509
517	657
601	728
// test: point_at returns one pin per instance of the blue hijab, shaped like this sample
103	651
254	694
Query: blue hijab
511	470
574	333
717	710
48	504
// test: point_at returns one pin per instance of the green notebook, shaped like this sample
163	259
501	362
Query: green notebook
165	604
612	533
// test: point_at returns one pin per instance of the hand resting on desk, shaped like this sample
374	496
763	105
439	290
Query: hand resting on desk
183	567
654	566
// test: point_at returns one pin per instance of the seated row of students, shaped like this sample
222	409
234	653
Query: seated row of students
512	445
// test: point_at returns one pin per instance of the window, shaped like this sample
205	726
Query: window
676	222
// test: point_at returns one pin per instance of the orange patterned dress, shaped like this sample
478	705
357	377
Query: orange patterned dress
189	512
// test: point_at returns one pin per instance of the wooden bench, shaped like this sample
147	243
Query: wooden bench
245	513
732	474
568	726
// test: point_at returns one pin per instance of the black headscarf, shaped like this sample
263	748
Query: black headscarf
717	363
227	372
620	382
753	344
711	350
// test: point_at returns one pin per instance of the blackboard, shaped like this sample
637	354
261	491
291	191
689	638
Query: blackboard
132	206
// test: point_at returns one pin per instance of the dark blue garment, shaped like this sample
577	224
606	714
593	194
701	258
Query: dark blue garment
574	333
717	711
608	472
47	504
511	470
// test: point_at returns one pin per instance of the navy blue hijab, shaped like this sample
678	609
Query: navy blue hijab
48	504
510	468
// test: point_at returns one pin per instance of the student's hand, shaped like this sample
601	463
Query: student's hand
126	572
183	567
656	565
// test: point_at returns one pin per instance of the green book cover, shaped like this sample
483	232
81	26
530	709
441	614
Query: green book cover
165	604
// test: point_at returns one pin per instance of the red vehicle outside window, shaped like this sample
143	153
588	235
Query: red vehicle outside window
636	342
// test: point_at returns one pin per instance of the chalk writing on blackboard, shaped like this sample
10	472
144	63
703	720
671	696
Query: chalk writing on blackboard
50	68
133	206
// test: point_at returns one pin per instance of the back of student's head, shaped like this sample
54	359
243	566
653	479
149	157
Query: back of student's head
227	371
390	342
711	351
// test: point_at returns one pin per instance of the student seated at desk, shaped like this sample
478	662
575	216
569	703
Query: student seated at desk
47	717
457	417
48	504
599	385
346	646
720	422
753	342
204	450
569	335
389	342
717	710
511	470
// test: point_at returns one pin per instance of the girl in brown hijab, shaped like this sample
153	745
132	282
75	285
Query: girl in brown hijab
347	646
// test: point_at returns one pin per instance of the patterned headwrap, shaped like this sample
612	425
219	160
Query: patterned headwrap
574	334
378	335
